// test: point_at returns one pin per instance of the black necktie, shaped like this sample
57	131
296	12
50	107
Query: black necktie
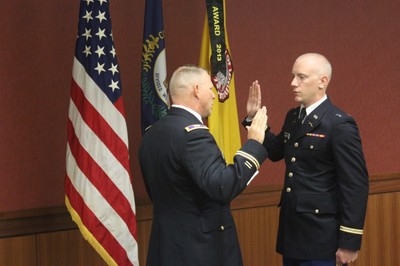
302	114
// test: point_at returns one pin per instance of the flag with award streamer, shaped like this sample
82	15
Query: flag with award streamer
154	70
223	122
98	188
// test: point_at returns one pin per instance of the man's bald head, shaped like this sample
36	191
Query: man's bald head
319	62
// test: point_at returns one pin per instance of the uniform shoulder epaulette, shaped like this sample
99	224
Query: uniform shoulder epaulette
195	126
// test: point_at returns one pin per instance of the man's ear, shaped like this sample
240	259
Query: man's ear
323	83
196	91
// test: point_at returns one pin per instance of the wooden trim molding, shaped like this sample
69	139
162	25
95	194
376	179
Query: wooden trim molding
384	183
52	219
26	222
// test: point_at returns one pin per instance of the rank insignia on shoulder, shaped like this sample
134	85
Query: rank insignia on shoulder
194	127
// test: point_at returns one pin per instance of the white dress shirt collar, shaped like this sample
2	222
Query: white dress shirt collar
313	106
197	115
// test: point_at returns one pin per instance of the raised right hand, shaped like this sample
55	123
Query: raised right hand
258	126
254	100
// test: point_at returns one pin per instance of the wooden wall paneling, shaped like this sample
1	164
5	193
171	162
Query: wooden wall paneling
66	248
24	241
144	229
257	228
384	183
381	239
35	221
18	251
70	248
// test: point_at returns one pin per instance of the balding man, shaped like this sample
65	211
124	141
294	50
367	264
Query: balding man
188	180
324	197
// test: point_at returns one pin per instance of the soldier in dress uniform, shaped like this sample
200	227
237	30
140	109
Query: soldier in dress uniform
188	180
324	197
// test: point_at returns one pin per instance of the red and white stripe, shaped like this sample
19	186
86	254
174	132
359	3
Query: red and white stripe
98	185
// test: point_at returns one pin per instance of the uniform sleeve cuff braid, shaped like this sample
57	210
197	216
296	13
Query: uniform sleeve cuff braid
249	157
351	230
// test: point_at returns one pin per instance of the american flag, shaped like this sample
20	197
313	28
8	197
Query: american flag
98	188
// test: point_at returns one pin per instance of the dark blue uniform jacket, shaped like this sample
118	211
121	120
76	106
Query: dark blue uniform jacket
324	197
191	187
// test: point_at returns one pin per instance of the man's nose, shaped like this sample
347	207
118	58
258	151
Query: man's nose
294	82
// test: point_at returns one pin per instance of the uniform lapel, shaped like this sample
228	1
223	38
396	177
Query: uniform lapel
295	123
313	120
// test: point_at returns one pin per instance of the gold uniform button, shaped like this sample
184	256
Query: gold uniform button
293	159
288	189
316	211
290	174
222	228
296	145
